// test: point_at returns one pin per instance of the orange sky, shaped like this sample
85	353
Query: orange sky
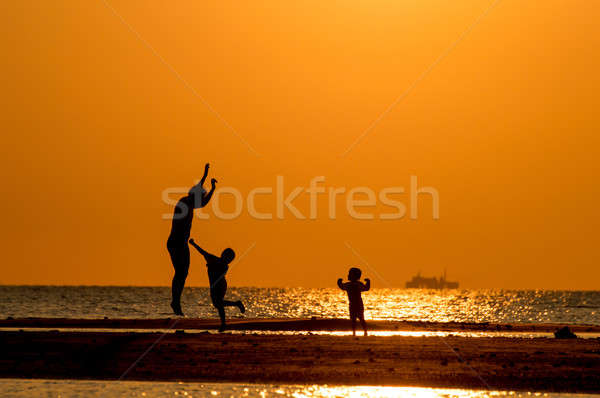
98	120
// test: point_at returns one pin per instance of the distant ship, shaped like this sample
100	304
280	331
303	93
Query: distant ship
420	282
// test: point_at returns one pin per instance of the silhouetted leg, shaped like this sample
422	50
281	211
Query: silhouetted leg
176	291
353	316
180	257
221	310
217	293
239	304
361	317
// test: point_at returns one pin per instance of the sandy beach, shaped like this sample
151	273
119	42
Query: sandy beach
497	363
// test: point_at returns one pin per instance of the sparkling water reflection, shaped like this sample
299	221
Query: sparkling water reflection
390	304
72	388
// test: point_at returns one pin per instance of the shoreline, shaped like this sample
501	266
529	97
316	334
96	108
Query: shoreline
286	324
496	363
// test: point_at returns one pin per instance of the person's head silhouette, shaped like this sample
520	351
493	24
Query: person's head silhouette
228	255
354	274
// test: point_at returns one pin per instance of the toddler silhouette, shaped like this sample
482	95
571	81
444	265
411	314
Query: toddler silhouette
354	287
217	268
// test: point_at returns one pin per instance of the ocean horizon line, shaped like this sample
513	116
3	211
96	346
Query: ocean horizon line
508	289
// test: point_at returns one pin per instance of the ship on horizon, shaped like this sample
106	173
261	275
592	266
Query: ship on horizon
420	282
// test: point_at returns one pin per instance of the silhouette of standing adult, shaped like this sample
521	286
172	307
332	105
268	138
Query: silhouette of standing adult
177	244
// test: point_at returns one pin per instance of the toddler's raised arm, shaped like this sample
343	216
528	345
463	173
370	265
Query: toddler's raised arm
367	286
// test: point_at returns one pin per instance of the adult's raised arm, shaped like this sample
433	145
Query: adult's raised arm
206	167
206	197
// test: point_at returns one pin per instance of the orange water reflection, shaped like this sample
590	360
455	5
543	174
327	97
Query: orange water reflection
93	388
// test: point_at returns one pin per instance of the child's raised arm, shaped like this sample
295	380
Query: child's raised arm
207	255
340	283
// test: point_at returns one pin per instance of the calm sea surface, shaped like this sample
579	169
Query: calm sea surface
391	304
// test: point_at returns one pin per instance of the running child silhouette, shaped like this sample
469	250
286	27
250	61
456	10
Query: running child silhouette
217	269
354	287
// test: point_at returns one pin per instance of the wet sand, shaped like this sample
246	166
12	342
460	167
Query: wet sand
314	324
538	364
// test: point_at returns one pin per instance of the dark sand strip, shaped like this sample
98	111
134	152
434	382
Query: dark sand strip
503	363
282	325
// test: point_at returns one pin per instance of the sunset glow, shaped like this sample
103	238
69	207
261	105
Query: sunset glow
108	104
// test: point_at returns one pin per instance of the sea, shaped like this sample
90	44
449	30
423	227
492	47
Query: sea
505	306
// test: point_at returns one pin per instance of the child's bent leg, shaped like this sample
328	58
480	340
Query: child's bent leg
238	304
353	318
